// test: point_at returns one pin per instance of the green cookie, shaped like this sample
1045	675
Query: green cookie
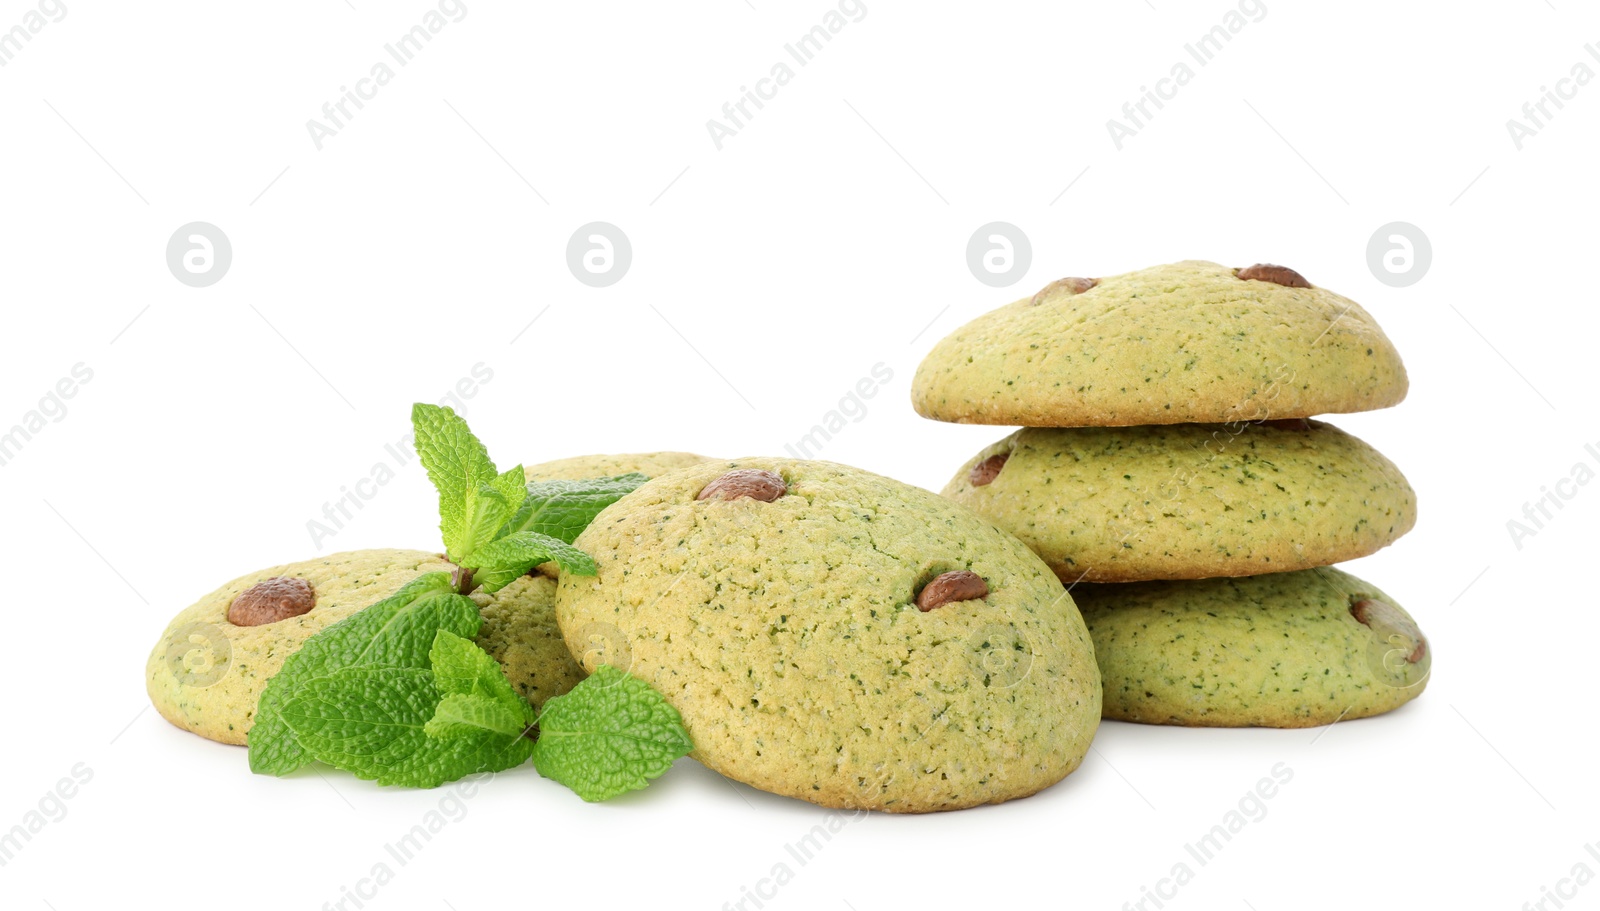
578	468
782	616
206	674
1188	501
1186	342
1283	650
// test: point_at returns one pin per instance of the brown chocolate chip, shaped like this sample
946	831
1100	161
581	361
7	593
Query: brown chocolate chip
1389	619
961	585
985	472
271	600
755	483
1288	423
1072	285
1278	275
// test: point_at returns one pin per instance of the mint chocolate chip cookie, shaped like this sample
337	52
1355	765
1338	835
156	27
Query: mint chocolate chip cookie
578	468
1186	342
1280	650
208	669
1188	501
836	636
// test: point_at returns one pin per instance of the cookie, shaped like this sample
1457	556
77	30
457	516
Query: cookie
1188	501
1282	650
578	468
1181	343
837	636
206	672
519	631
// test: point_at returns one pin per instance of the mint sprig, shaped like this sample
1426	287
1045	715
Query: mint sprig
611	734
496	524
394	633
563	509
400	694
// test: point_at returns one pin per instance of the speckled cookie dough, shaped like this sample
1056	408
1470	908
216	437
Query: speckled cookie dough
520	631
786	613
578	468
206	674
1186	342
1188	501
1282	650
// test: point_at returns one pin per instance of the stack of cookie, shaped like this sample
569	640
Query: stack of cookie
1170	474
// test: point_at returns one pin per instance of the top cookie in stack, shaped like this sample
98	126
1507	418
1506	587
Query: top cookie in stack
1187	342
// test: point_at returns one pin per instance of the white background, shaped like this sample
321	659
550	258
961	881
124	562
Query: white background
825	237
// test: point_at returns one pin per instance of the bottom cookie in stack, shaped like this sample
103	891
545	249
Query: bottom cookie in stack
1293	649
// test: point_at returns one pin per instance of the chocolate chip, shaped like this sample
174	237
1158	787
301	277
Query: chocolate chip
984	473
961	585
755	483
1278	275
1071	285
271	600
1389	619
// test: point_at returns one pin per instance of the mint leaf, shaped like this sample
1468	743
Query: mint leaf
611	734
468	714
371	722
477	695
499	564
475	500
563	509
395	632
460	666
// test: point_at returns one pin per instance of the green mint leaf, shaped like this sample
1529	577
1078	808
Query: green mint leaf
470	714
499	564
611	734
371	722
460	468
460	666
398	631
563	509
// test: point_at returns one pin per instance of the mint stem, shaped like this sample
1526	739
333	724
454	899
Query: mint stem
462	580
